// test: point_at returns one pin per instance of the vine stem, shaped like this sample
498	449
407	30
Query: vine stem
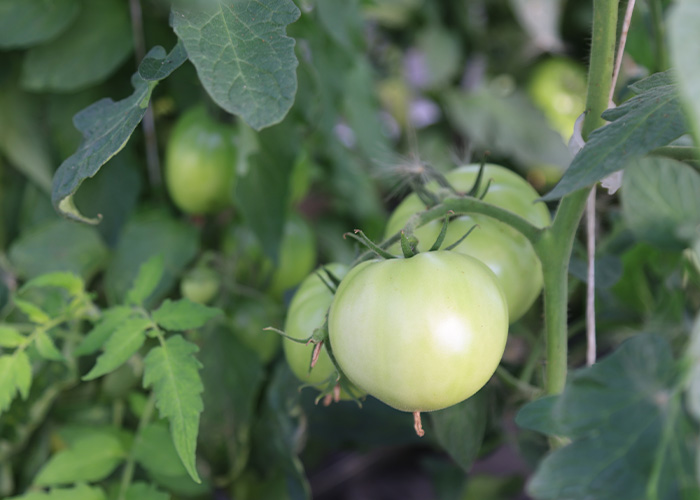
554	246
128	473
149	122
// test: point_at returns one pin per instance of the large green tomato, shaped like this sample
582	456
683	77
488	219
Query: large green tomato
200	163
507	252
558	88
307	312
420	334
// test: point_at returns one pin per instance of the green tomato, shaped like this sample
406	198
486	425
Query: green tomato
249	320
200	285
200	163
419	334
296	257
307	312
507	252
558	88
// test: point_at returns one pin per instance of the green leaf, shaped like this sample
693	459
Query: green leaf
122	344
143	237
684	42
661	202
228	414
242	55
10	337
22	137
692	392
509	126
156	453
32	311
143	491
95	339
106	127
183	314
649	120
16	376
342	20
460	428
79	492
158	65
92	49
46	348
173	372
60	245
616	414
91	457
70	282
27	22
147	279
538	416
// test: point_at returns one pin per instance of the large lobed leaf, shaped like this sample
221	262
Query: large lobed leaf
126	339
79	492
649	120
242	55
27	22
106	127
173	372
16	376
616	414
183	314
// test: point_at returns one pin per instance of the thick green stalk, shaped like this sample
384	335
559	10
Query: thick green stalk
554	247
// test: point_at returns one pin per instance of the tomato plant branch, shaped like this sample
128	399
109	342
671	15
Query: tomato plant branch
554	246
130	466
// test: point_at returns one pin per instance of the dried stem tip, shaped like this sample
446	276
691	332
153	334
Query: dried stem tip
417	424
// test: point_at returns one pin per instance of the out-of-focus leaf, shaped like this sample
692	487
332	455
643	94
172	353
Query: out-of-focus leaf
93	48
540	19
70	282
111	319
649	120
158	64
342	21
16	374
22	139
24	23
156	453
10	337
147	279
661	202
60	245
80	492
460	428
693	390
438	57
616	414
46	348
183	314
608	270
684	41
90	458
143	491
126	339
508	125
172	371
242	55
143	237
228	413
262	190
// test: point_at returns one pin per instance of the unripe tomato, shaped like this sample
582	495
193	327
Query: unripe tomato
507	252
307	312
200	285
420	334
297	255
558	88
200	159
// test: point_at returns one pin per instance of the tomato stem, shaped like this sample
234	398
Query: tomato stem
418	424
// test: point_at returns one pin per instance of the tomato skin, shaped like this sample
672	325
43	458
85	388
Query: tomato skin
200	285
307	312
200	163
296	257
507	252
419	334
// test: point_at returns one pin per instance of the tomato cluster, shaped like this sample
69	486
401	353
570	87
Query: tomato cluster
425	331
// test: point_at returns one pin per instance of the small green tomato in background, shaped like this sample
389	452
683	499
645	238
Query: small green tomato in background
307	312
200	163
507	252
200	284
296	257
422	333
558	88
